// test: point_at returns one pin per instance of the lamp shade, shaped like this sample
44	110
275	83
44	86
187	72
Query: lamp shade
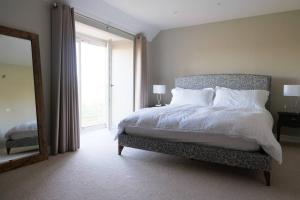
159	89
291	90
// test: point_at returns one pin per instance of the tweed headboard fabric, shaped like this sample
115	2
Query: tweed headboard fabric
233	81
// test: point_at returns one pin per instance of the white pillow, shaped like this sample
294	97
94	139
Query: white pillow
226	97
202	97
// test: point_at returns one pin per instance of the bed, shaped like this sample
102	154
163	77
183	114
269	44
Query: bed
228	151
22	135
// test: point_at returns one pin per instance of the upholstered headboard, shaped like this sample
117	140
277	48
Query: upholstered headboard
233	81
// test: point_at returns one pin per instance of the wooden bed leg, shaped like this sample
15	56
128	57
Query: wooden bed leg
267	175
120	148
7	151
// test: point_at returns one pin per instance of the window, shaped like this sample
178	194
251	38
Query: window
92	70
105	76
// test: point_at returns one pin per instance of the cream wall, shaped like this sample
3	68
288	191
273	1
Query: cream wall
32	16
268	44
17	100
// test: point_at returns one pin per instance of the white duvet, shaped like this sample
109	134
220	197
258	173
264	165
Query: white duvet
248	124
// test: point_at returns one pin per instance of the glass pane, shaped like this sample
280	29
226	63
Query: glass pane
93	84
78	62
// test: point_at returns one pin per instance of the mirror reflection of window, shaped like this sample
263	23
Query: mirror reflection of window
18	124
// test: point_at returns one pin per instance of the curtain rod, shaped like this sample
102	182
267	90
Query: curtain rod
107	26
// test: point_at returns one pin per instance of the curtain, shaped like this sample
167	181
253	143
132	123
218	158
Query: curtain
64	93
141	72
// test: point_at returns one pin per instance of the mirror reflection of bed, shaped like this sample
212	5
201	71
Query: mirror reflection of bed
18	123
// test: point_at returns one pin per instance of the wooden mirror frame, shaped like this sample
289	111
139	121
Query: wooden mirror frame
39	100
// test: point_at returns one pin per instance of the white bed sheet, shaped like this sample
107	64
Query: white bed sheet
243	123
204	138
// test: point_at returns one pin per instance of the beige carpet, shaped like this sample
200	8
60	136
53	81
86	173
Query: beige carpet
96	172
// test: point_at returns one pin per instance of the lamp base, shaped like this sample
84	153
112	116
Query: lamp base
158	105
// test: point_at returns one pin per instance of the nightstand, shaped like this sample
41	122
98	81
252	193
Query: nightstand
287	119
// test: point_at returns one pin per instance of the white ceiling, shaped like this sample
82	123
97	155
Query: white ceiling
166	14
151	16
15	51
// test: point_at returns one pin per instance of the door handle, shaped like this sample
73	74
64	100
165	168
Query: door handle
112	85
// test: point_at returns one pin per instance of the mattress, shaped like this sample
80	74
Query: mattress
216	140
24	130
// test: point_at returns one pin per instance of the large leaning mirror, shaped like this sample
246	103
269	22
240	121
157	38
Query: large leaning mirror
22	138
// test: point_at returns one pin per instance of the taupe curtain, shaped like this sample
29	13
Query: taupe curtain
64	93
141	72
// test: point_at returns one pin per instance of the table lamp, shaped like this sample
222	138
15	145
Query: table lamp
159	90
292	91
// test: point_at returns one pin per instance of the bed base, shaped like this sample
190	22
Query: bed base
24	142
258	160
